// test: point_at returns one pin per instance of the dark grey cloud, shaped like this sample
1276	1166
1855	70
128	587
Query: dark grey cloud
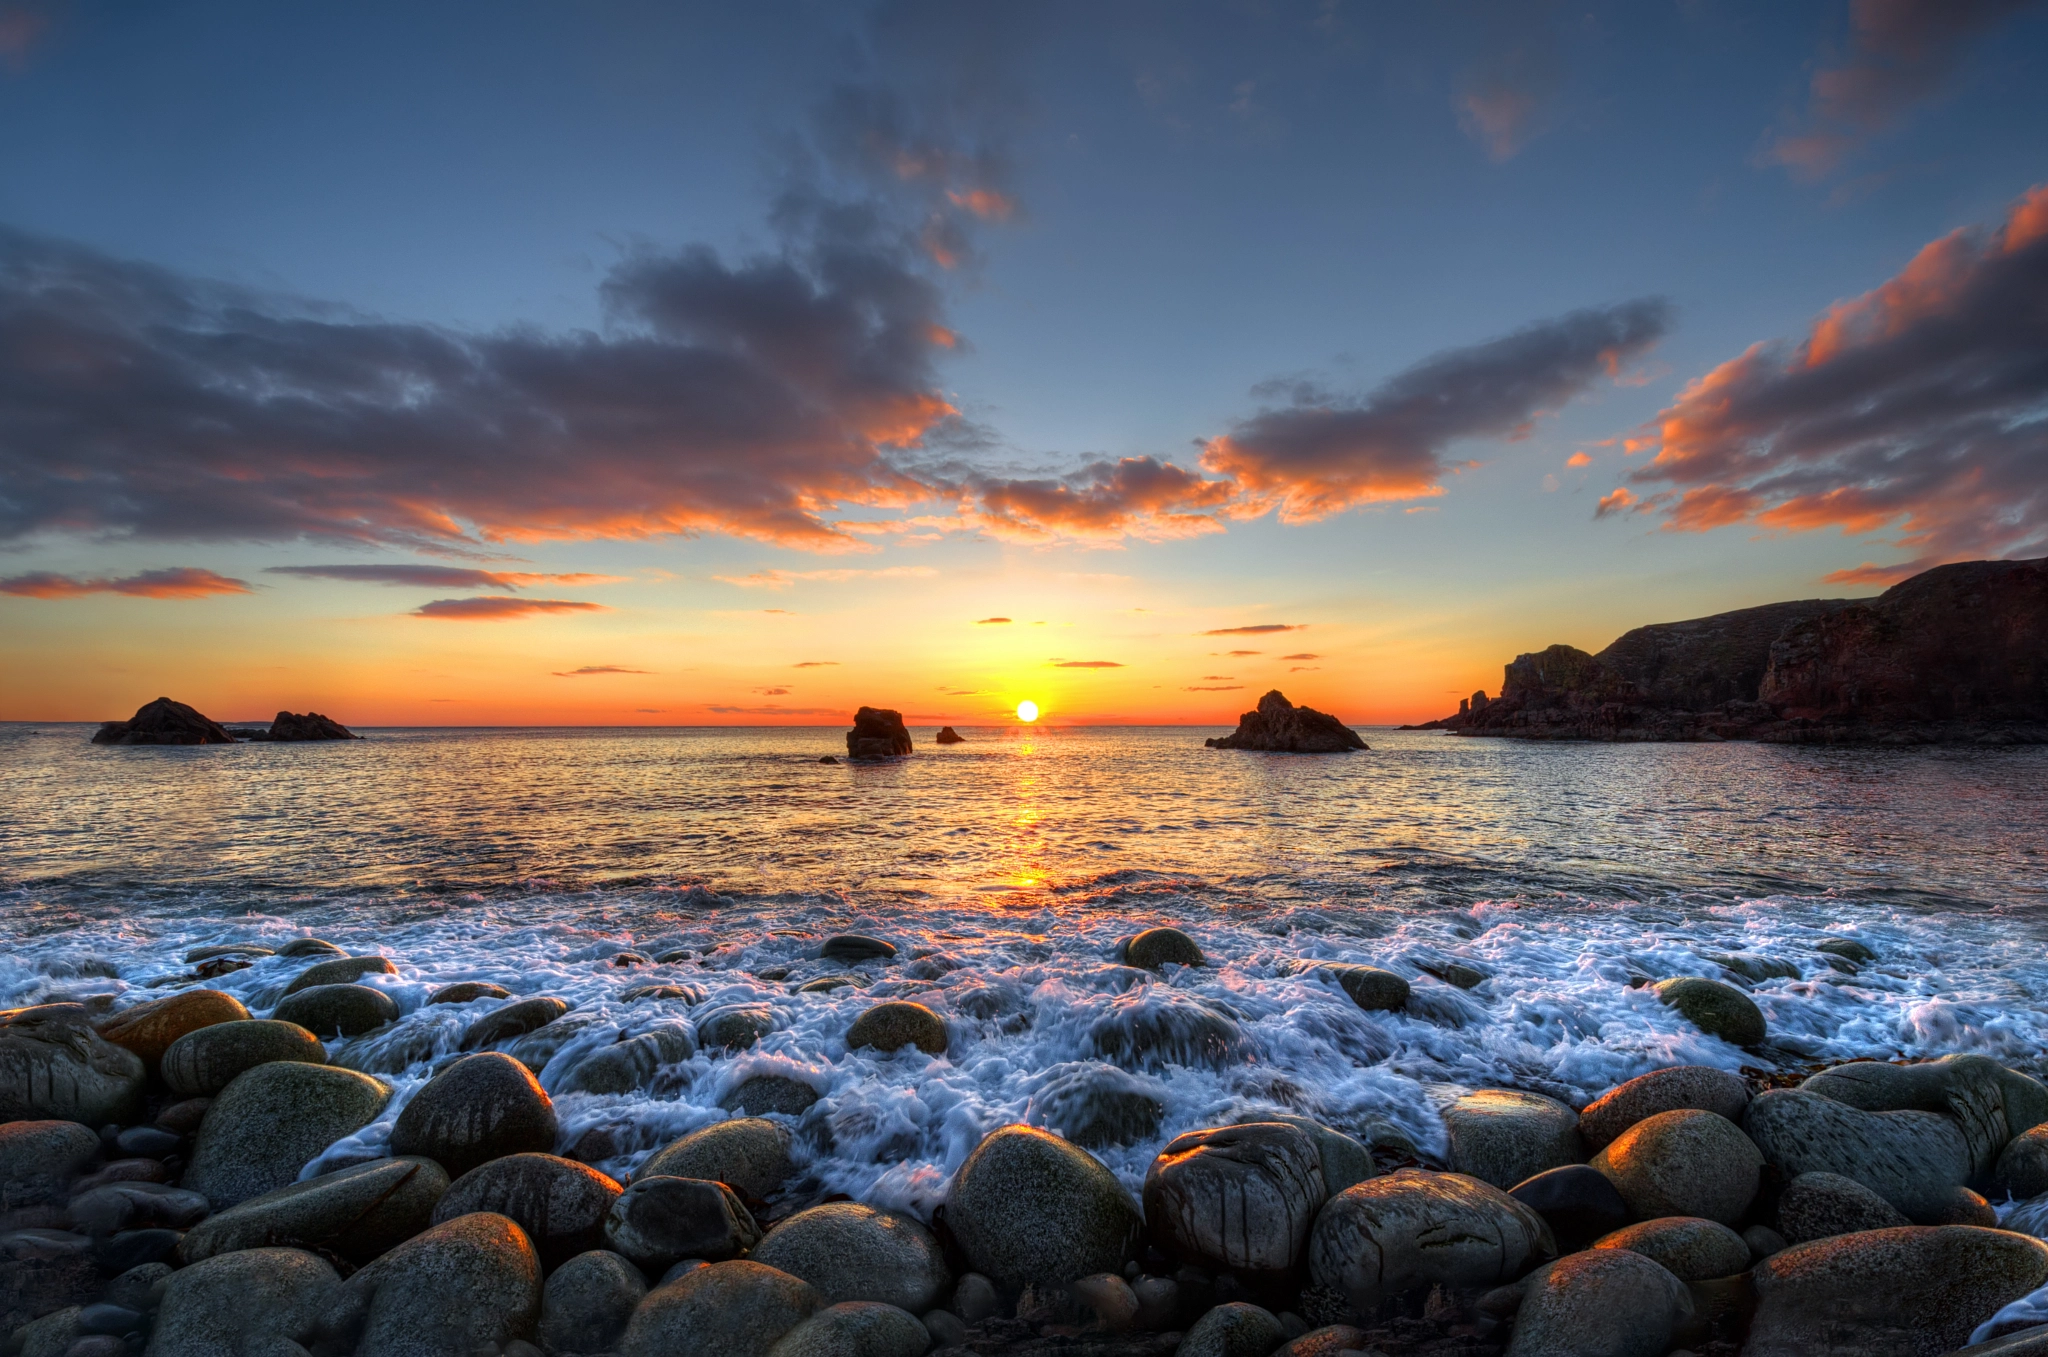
436	576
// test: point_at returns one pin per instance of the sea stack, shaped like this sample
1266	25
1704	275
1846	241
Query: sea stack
311	726
1280	727
878	733
163	722
948	735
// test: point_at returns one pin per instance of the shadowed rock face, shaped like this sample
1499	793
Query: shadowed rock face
1278	726
163	722
878	733
311	726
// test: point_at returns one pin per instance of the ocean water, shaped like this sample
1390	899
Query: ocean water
1007	869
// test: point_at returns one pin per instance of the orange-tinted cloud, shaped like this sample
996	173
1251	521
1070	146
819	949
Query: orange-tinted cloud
598	669
179	582
1217	688
1303	656
1613	503
1131	497
1256	629
500	608
438	576
1882	576
815	664
992	622
1085	664
783	579
1579	459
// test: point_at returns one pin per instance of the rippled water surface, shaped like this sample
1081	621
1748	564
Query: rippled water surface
1006	870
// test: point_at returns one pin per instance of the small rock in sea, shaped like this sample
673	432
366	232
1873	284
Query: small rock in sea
1157	947
1370	987
1846	948
39	1160
2022	1169
660	1221
481	1107
1453	973
1684	1163
271	1120
850	949
1816	1205
749	1306
562	1205
54	1066
1865	1293
735	1028
878	733
202	1063
356	1213
1238	1329
341	970
1990	1103
1718	1010
1236	1199
829	759
163	722
148	1029
1391	1235
948	735
1690	1249
825	984
1504	1136
299	947
1577	1201
1700	1088
540	1046
1279	726
852	1252
587	1302
294	726
1914	1160
1029	1208
896	1024
513	1020
1096	1105
468	991
766	1093
748	1152
628	960
250	1301
1608	1301
468	1284
631	1064
337	1010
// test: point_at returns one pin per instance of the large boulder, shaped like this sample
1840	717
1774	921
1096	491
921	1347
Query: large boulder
878	733
1699	1088
1914	1160
337	1010
481	1107
1718	1009
855	1329
658	1222
587	1302
1031	1209
1690	1249
1602	1303
341	970
1684	1163
1816	1205
202	1063
892	1026
260	1302
1410	1229
355	1213
1236	1199
1278	726
1577	1201
560	1203
750	1153
851	1252
39	1160
1345	1159
470	1283
270	1121
308	726
54	1066
1503	1136
1916	1291
149	1029
1991	1103
734	1309
163	722
513	1020
1238	1329
633	1063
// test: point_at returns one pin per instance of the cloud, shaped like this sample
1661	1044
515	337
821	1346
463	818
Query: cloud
1320	455
436	576
178	582
1085	664
769	692
598	669
1919	408
815	664
499	608
1579	459
1131	497
1881	576
1256	629
1238	654
1901	53
992	622
1224	688
783	579
651	711
1615	501
1218	678
723	710
1303	656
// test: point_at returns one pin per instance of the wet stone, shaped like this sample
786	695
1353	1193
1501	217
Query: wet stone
42	1271
467	1284
747	1152
894	1025
304	947
148	1029
850	949
1718	1010
40	1159
1914	1160
330	1011
468	991
735	1029
634	1063
772	1093
659	1221
1503	1136
1159	947
253	1301
1370	987
1683	1163
587	1302
1690	1249
1029	1208
345	970
1816	1205
852	1252
1577	1201
481	1107
55	1067
202	1063
747	1306
1156	1026
1096	1105
562	1205
513	1020
135	1206
270	1121
1412	1229
1239	1199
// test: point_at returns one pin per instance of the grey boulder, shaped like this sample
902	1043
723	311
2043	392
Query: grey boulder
1990	1103
470	1283
1238	1329
55	1067
1503	1136
587	1302
1409	1229
734	1309
1696	1087
1684	1163
750	1153
341	970
355	1213
1816	1205
1914	1160
1689	1248
1717	1009
270	1121
203	1062
344	1010
481	1107
1238	1199
559	1203
255	1301
851	1252
660	1221
1601	1303
631	1064
39	1160
855	1329
1031	1209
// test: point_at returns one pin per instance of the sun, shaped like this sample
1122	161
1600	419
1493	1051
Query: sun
1027	711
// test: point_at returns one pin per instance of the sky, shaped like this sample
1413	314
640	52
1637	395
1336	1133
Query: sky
629	363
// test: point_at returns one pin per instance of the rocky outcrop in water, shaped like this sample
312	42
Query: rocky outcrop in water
948	735
1958	653
1280	727
311	726
163	722
878	733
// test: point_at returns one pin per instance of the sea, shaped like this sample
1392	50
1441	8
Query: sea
1008	870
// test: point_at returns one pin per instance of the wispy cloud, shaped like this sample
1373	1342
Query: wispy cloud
724	710
992	622
437	576
783	579
1085	664
1256	629
815	664
1223	688
1302	656
178	582
599	669
499	608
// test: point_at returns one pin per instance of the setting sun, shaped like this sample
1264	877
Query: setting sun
1027	711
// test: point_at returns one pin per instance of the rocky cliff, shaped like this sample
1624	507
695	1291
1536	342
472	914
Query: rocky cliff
1278	726
1958	653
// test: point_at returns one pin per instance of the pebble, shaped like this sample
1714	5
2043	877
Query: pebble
658	1221
469	1283
341	970
149	1029
147	1142
341	1010
1717	1009
1699	1088
468	991
1370	987
1690	1249
945	1329
1763	1241
975	1298
1577	1201
560	1204
252	1301
1684	1163
1609	1302
855	1329
1914	1160
132	1248
1239	1199
750	1153
735	1309
55	1067
736	1028
1029	1208
1156	948
1409	1229
1503	1136
894	1025
354	1213
587	1302
851	1252
512	1020
481	1107
270	1121
135	1206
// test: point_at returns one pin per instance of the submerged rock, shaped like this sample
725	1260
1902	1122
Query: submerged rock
337	1010
480	1108
852	1252
850	949
471	1283
1410	1229
202	1063
1158	947
1504	1136
1700	1088
468	991
750	1153
54	1066
355	1213
1370	987
878	733
736	1028
270	1121
163	722
1914	1160
766	1093
1155	1025
1096	1105
513	1020
310	726
1718	1010
735	1309
1684	1163
1237	1199
1279	726
1031	1209
299	947
631	1064
561	1204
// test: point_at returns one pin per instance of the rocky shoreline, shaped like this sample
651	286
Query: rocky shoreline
166	722
154	1195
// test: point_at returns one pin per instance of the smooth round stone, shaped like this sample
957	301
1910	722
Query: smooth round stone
337	1010
1029	1208
1612	1302
149	1029
300	947
748	1152
975	1298
1160	947
105	1317
1096	1105
252	1301
1763	1241
850	949
270	1121
1816	1205
766	1093
1502	1136
686	993
1690	1249
1914	1160
1847	948
480	1108
1696	1087
1409	1229
200	1064
894	1025
1683	1163
852	1252
631	1064
1234	1330
342	970
1236	1199
587	1302
1370	987
468	991
55	1067
1718	1010
513	1020
1917	1289
659	1221
855	1329
1577	1201
243	949
40	1159
1990	1103
355	1213
560	1204
945	1329
1154	1025
734	1309
470	1283
123	1206
2022	1169
735	1029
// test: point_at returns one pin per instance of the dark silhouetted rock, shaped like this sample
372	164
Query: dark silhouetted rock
299	947
330	1011
114	1207
1816	1205
1607	1301
856	1328
1699	1087
202	1063
1234	1330
560	1204
255	1301
1237	1199
850	949
357	1213
1280	727
42	1271
39	1160
660	1221
54	1066
1157	947
468	991
1577	1201
948	735
1691	1249
163	722
896	1024
1028	1208
480	1108
878	733
311	726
